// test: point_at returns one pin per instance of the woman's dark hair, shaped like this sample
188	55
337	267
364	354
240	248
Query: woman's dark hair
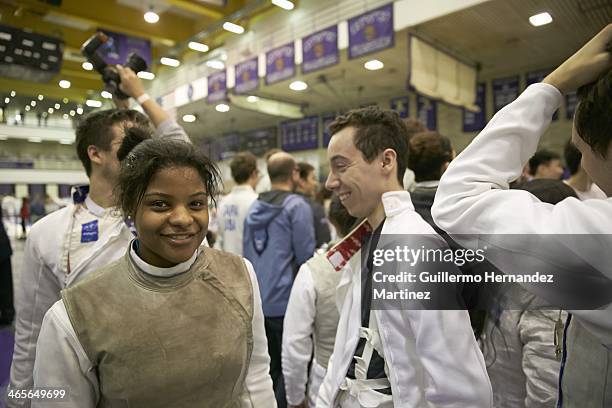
339	216
153	155
592	118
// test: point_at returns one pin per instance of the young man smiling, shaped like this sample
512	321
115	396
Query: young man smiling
385	358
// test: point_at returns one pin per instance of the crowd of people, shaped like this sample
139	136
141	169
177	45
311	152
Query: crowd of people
127	300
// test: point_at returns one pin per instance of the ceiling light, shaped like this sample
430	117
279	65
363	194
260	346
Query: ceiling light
64	84
65	100
93	103
13	94
50	110
146	75
171	62
284	4
233	28
33	103
7	99
106	95
196	46
72	112
540	19
27	108
57	106
298	85
65	116
65	141
151	17
373	65
18	117
87	66
79	110
40	97
222	107
189	118
215	64
35	139
252	98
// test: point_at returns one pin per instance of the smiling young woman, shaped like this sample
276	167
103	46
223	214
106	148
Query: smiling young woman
172	323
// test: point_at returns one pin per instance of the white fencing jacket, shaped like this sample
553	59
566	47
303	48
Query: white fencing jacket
432	355
44	271
473	195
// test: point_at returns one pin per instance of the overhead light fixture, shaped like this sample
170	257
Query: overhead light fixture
215	64
146	75
35	139
13	94
72	112
7	99
66	141
196	46
233	28
79	110
373	65
222	107
284	4
87	66
252	98
50	110
64	84
151	17
40	97
65	116
93	103
189	118
65	100
540	19
27	108
33	103
106	95
298	85
171	62
57	106
18	117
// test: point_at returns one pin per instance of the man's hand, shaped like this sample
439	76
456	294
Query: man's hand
304	404
586	65
130	83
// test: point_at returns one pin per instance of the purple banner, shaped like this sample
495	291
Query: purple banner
372	31
427	112
401	105
326	119
247	77
476	121
535	77
571	100
320	49
505	90
300	134
119	46
280	64
217	87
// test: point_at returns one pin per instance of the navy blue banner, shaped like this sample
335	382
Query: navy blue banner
371	31
326	119
320	50
300	134
476	121
401	105
505	90
427	112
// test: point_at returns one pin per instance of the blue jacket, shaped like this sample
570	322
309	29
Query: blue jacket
278	238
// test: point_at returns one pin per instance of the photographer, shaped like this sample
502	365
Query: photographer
69	244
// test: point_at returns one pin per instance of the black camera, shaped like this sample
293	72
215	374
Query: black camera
109	73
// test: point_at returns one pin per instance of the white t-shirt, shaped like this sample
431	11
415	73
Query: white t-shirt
232	211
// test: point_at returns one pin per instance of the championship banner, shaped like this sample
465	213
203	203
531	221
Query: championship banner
401	105
427	112
326	119
320	50
476	121
505	90
259	141
217	87
371	31
247	77
300	134
280	64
